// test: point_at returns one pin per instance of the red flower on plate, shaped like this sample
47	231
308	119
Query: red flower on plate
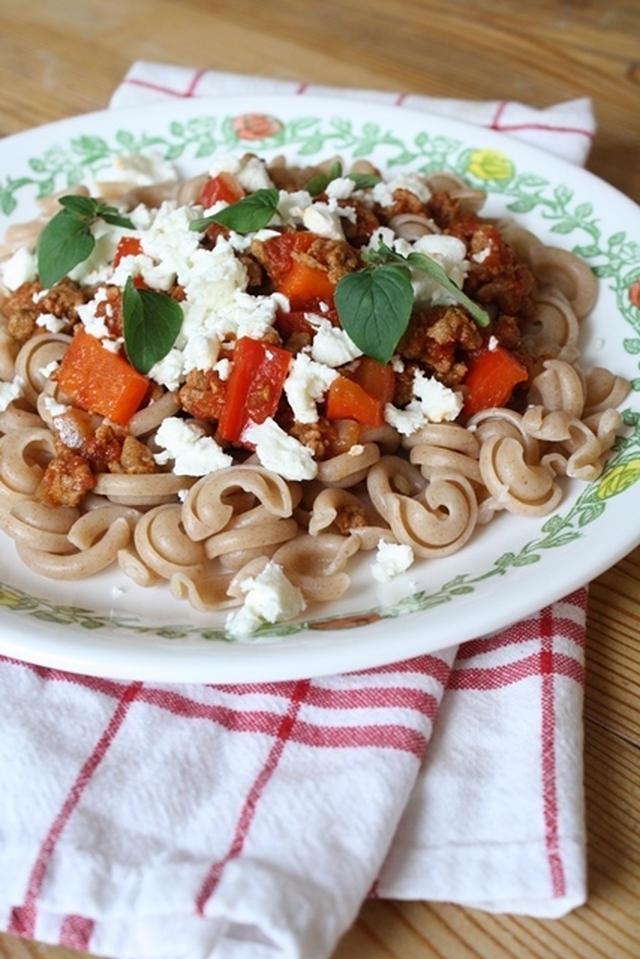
634	293
255	126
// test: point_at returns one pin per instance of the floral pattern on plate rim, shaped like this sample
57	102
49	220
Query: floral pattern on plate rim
614	259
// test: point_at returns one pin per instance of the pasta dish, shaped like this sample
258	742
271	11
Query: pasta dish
234	383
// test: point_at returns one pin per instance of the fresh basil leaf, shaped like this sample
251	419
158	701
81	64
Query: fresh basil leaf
64	242
152	321
111	216
251	213
83	207
364	181
374	307
319	183
422	262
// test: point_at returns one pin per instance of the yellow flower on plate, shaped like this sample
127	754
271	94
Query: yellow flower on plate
619	478
490	165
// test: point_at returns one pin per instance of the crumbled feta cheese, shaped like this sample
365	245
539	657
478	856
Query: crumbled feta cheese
481	255
340	188
391	560
18	269
169	371
269	598
94	324
383	192
253	175
194	453
305	385
51	322
280	452
9	391
432	403
321	219
331	345
46	371
291	206
54	408
223	368
493	343
200	352
448	252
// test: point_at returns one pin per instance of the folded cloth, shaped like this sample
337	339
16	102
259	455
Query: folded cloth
158	821
564	129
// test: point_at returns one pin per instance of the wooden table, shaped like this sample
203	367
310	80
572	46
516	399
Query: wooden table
63	57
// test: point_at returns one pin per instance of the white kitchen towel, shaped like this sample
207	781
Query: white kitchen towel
155	821
564	129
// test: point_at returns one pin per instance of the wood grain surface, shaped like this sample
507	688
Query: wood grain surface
63	57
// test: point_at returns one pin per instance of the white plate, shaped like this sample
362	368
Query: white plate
109	627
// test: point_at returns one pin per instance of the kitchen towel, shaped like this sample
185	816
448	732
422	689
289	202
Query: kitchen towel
158	821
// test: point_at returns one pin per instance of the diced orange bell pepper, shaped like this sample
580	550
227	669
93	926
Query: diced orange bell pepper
99	381
363	395
491	378
304	284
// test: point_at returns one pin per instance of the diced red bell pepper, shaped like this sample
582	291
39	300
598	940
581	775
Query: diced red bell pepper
491	378
363	395
129	246
254	386
100	381
305	285
222	187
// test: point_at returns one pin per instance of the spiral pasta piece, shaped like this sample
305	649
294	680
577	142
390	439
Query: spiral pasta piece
40	526
83	563
149	489
23	458
514	484
316	565
440	521
162	543
572	276
559	387
35	356
350	468
208	506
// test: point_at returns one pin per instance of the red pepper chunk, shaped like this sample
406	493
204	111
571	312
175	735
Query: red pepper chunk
491	378
254	386
223	187
97	380
363	395
304	284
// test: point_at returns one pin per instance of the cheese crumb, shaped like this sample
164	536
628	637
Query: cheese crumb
280	452
269	598
194	453
392	559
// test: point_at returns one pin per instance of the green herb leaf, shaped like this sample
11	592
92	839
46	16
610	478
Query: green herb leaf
422	262
374	307
251	213
84	207
64	242
67	240
152	321
364	181
89	209
319	183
